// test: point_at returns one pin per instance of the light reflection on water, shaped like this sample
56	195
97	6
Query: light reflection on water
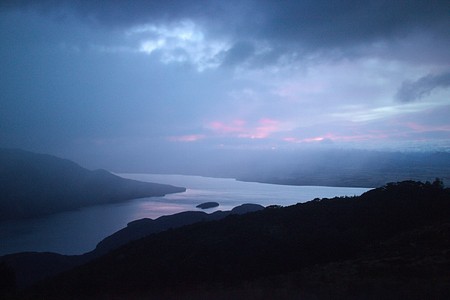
78	231
230	193
147	208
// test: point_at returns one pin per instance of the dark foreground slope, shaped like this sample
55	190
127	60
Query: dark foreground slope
144	227
32	267
391	242
36	184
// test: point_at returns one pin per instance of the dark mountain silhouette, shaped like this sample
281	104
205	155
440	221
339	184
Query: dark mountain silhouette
30	267
36	184
390	242
144	227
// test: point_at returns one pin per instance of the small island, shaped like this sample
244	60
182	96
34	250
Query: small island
207	205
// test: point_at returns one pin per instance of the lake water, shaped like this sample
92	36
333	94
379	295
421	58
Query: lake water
79	231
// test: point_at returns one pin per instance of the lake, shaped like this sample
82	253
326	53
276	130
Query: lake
79	231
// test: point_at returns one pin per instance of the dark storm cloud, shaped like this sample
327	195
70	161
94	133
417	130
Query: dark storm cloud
306	24
335	23
136	78
240	52
415	90
118	13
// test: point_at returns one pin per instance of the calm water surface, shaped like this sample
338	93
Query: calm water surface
77	232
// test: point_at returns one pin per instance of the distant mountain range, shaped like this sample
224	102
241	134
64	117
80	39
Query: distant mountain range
37	184
392	242
348	168
322	167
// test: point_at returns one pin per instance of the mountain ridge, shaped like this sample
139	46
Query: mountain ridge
34	184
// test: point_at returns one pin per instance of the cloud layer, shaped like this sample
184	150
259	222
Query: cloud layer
143	78
422	87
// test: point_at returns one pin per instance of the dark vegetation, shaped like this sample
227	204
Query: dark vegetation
7	281
144	227
392	242
36	184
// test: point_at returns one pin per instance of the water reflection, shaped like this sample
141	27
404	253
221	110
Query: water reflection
147	208
79	231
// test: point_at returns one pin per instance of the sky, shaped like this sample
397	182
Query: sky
116	83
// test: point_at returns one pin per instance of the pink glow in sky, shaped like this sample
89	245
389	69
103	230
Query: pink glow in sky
187	138
261	129
162	80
